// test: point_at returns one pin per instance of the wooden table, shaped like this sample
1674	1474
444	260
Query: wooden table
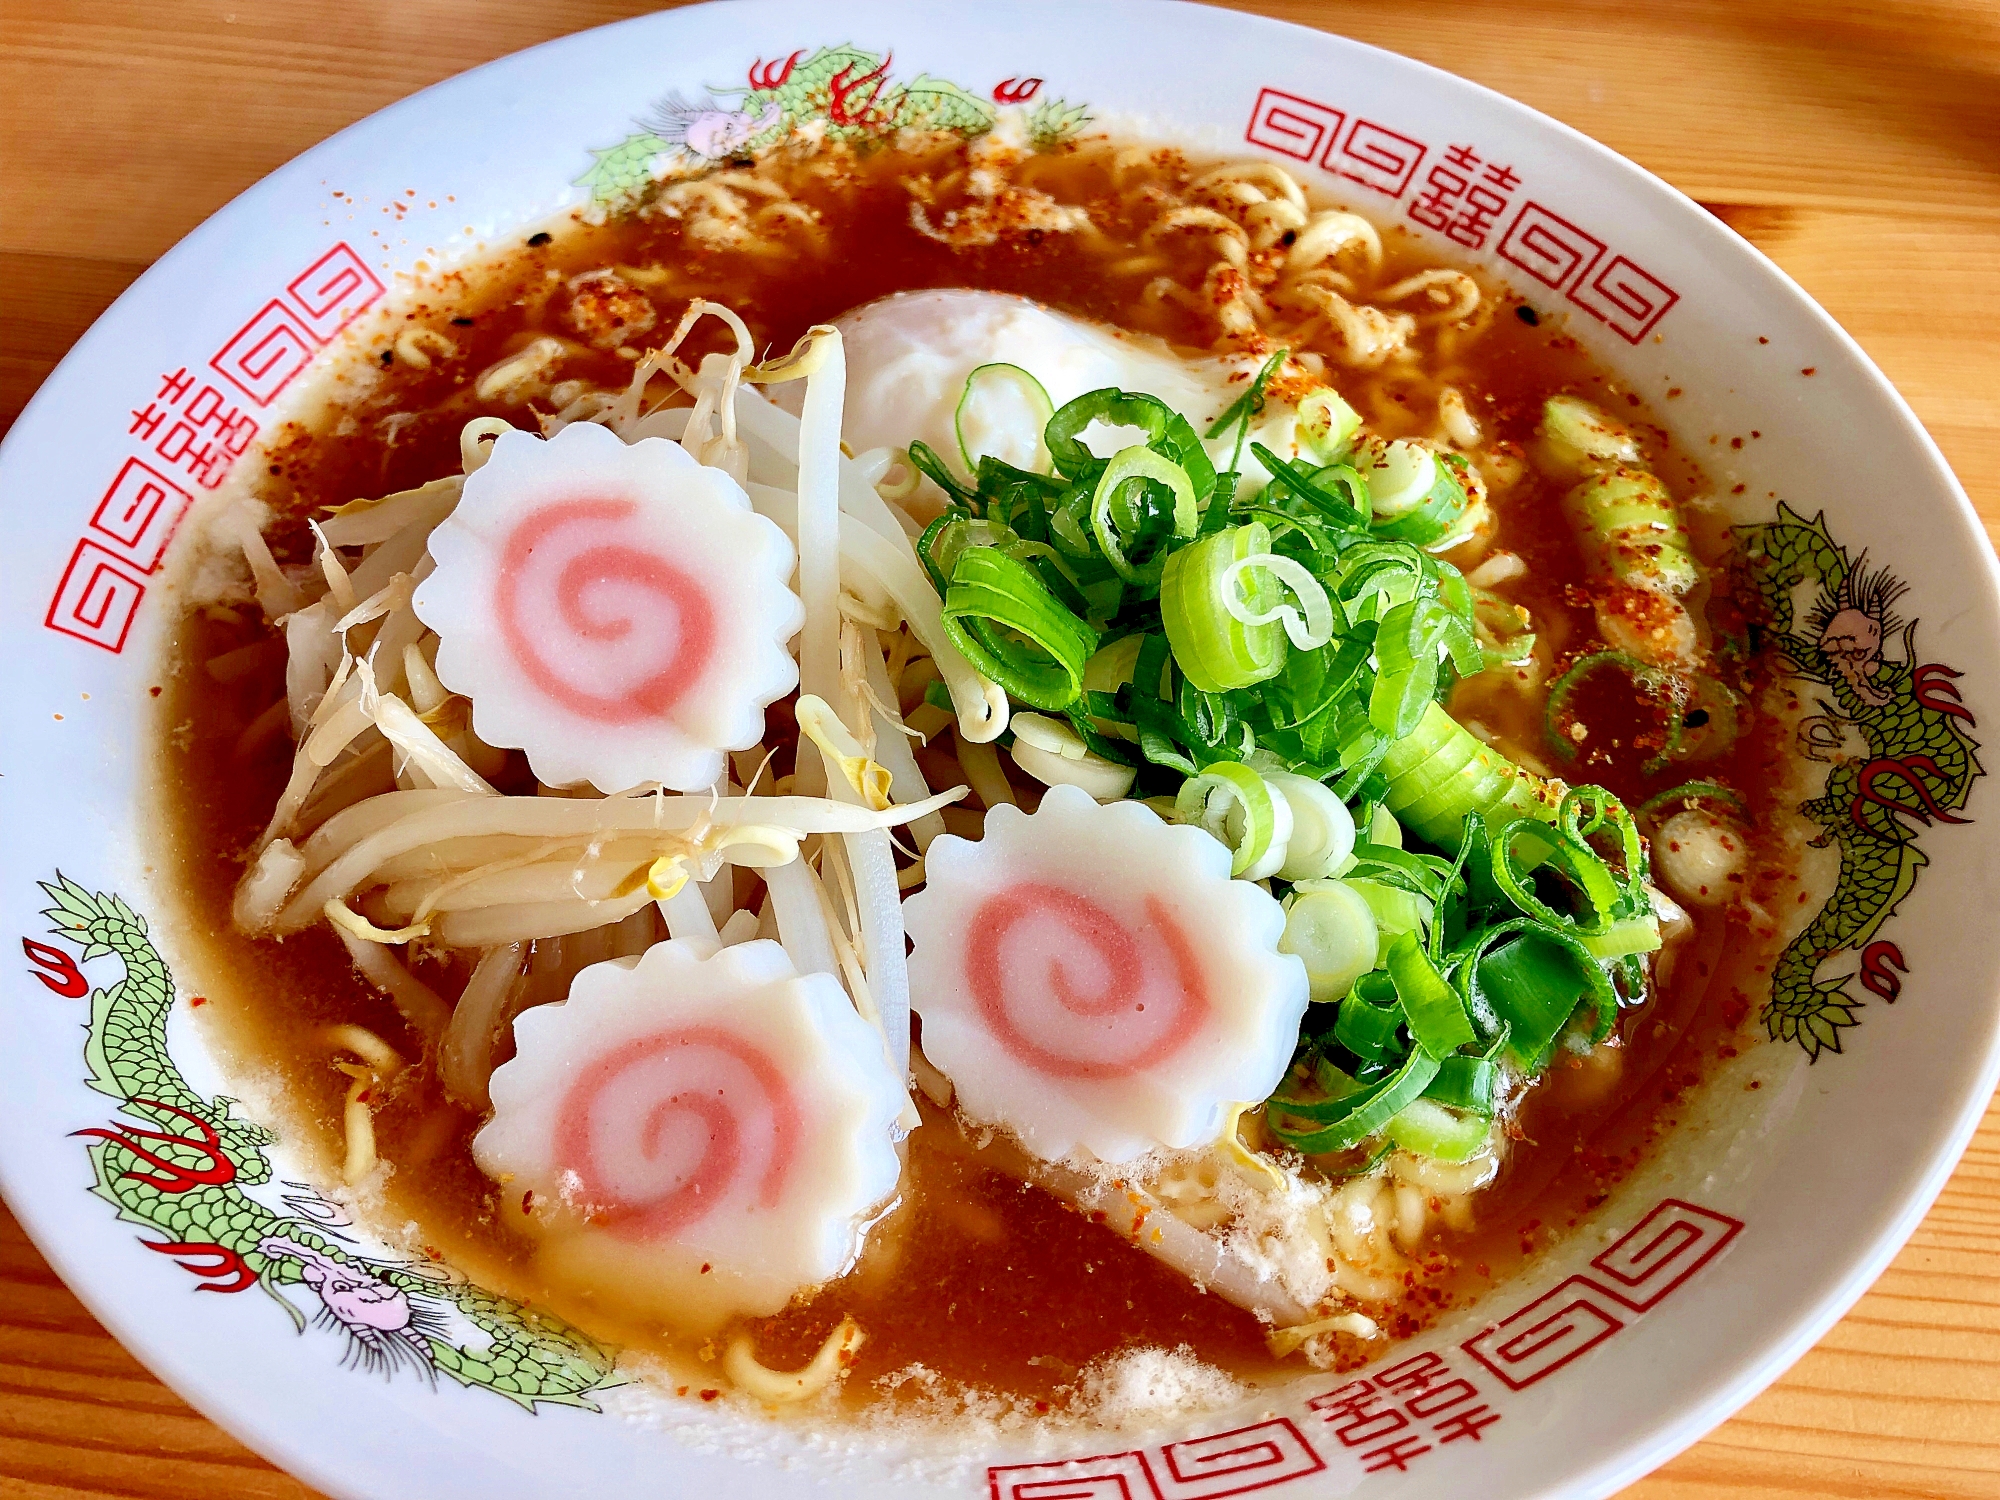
1856	143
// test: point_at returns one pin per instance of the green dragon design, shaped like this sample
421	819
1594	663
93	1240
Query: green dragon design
841	93
185	1170
1893	736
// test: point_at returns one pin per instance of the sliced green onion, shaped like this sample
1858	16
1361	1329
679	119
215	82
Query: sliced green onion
1406	671
1056	755
1577	436
1423	875
944	541
1466	1083
1215	650
1117	506
1322	827
1371	1032
1013	630
1347	1121
1586	810
1327	425
1308	630
1691	792
1639	934
1414	494
1601	888
1397	911
1332	930
1328	500
1440	774
1424	1128
1250	405
1040	410
1532	985
1436	1011
1502	629
924	458
1233	803
1383	827
1656	680
1166	430
1632	530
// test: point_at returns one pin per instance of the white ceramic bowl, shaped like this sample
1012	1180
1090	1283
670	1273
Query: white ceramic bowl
1702	1277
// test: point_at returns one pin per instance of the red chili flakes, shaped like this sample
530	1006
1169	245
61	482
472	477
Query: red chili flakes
1736	489
1762	340
154	691
431	1252
197	1000
1673	391
1755	1083
710	1394
1755	433
1736	442
680	1390
1810	370
706	1268
528	1201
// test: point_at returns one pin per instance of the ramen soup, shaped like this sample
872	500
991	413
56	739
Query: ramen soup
909	775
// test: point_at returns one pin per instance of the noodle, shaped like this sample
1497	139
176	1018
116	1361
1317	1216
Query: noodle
740	1364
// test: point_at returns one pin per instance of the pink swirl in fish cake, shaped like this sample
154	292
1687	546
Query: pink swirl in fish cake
1142	1014
660	1132
568	554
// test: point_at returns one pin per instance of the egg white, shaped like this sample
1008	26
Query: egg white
909	355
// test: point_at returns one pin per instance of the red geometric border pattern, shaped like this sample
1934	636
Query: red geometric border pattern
1663	1250
140	512
333	291
1377	157
265	353
1618	292
97	599
1238	1462
1109	1476
1627	299
1235	1463
1557	1327
1292	126
103	584
1548	247
1415	1405
1648	1262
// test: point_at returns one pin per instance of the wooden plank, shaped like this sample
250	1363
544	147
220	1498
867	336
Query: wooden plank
1922	297
46	304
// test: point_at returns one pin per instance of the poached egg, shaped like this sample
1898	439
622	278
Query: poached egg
909	356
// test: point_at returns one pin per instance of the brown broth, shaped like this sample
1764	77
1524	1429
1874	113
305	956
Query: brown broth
990	1283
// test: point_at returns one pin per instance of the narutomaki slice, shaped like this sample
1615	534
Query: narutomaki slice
706	1135
1090	976
616	610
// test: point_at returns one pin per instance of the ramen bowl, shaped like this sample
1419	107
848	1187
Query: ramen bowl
1793	1171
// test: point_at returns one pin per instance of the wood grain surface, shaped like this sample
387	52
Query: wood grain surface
1858	144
